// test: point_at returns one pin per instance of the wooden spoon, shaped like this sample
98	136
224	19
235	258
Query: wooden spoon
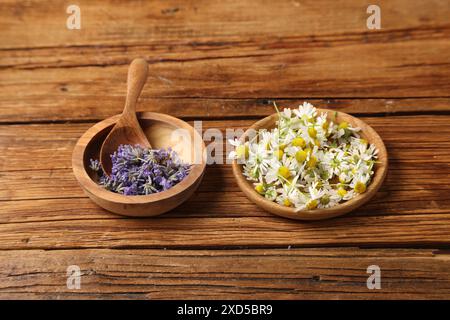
127	129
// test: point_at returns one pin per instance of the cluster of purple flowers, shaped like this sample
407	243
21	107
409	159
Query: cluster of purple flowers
142	171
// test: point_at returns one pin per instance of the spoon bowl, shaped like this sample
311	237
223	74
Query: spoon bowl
380	171
162	131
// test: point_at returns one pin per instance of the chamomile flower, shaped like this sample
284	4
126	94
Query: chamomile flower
308	161
271	193
360	181
288	196
240	151
306	111
281	171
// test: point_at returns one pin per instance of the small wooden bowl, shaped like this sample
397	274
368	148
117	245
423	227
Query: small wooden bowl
380	171
158	128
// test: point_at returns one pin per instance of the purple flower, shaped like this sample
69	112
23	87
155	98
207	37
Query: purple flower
95	165
139	171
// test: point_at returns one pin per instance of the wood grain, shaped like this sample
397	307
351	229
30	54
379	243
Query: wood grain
224	62
430	230
340	71
226	274
196	52
413	140
411	209
126	130
123	23
72	108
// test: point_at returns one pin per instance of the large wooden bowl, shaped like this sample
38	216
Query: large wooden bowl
317	214
158	128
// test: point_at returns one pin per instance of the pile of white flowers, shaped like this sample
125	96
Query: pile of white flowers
307	161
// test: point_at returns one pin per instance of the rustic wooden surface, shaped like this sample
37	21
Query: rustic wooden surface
223	62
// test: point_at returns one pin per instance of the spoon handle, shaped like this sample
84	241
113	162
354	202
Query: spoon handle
137	76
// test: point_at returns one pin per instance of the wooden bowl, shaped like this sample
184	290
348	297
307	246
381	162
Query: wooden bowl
380	171
158	128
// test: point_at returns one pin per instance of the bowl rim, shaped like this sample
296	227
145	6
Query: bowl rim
92	187
322	213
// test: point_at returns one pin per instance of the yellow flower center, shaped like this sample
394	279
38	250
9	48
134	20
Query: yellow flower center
343	125
279	154
308	150
312	132
312	162
259	188
364	142
284	172
299	142
301	156
317	142
312	204
342	192
242	151
287	203
325	125
360	187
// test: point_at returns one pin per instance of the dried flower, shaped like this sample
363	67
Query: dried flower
307	161
140	171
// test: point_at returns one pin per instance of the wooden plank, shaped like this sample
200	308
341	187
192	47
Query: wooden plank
81	106
68	56
415	140
416	214
431	229
239	52
340	71
421	178
226	274
43	24
412	197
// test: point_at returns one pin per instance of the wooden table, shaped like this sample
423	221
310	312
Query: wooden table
223	62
